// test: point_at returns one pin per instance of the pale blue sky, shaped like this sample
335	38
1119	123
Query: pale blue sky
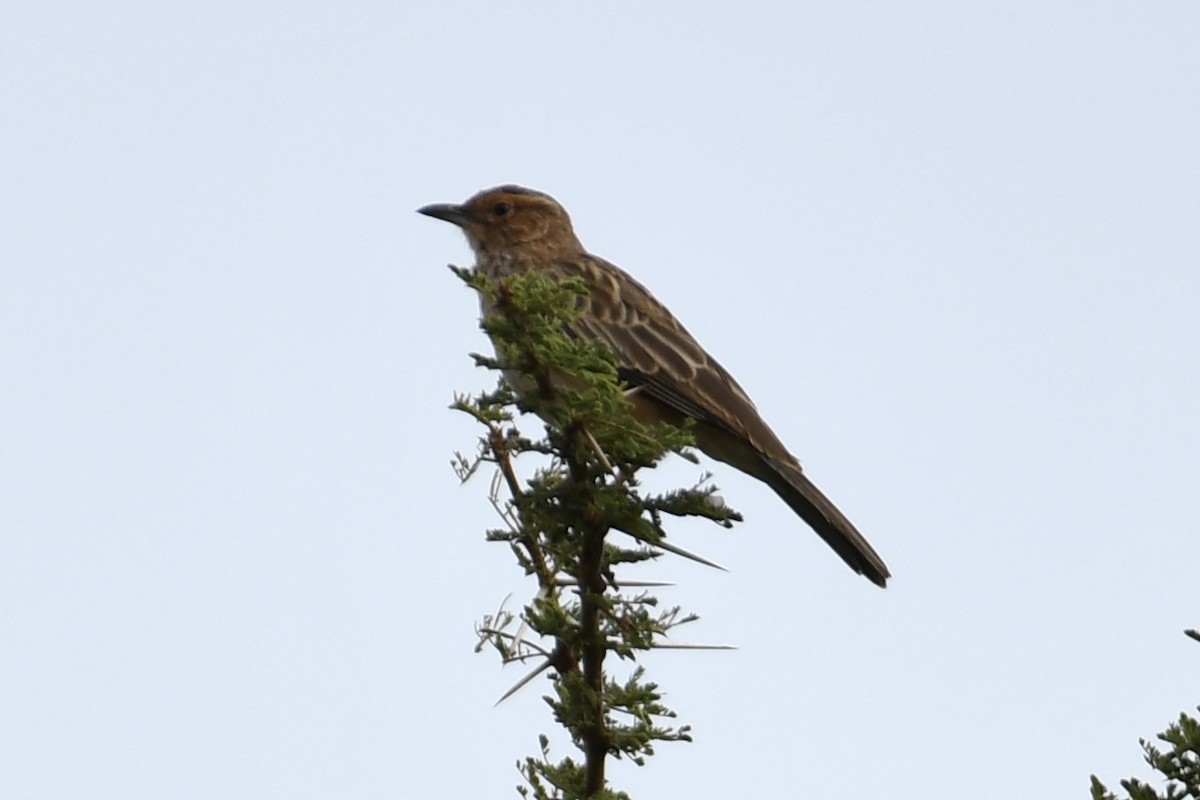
951	249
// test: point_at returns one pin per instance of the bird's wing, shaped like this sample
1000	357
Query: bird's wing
657	355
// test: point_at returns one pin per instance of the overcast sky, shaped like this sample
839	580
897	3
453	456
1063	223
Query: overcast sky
950	249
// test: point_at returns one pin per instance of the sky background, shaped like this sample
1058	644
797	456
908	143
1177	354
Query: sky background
950	249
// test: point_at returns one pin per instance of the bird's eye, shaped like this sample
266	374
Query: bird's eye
501	209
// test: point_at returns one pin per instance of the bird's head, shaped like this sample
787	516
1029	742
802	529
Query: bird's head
510	218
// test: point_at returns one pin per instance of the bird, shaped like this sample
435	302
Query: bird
670	376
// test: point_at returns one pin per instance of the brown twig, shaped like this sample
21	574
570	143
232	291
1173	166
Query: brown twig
499	446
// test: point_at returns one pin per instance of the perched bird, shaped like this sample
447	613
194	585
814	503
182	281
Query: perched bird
515	230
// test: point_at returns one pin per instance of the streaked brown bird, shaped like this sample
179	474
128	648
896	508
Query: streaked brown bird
514	230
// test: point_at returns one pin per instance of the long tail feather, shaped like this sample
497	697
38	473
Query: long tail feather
791	484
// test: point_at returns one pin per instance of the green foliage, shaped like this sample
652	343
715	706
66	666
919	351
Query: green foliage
1179	765
558	524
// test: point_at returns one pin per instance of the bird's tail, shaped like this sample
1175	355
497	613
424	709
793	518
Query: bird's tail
791	484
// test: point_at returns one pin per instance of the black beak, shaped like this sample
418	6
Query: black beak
448	212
